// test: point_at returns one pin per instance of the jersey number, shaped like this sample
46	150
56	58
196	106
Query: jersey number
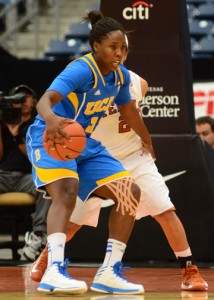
91	127
123	126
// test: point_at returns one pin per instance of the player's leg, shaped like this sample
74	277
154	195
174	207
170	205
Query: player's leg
55	280
176	236
109	279
126	194
39	267
109	180
155	201
94	174
84	213
120	225
60	180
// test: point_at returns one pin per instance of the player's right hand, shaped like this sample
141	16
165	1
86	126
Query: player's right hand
54	130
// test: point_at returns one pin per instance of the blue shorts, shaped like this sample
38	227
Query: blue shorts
94	167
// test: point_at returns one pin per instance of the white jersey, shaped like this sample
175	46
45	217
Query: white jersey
114	133
125	145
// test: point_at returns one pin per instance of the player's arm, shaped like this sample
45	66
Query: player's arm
67	81
131	115
144	90
144	86
53	122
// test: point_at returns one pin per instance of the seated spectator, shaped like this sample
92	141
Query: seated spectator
205	129
15	168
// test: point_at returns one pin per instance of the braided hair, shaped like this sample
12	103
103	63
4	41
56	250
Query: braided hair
101	26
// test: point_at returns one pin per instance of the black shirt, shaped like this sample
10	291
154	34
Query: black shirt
210	155
13	159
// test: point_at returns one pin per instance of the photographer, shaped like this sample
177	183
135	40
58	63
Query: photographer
17	113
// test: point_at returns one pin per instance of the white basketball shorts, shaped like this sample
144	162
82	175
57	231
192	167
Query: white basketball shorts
154	192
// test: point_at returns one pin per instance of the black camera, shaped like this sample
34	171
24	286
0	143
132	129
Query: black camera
8	113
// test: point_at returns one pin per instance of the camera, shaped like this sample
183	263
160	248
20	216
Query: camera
8	113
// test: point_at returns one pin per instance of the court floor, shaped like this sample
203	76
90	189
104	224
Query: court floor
159	283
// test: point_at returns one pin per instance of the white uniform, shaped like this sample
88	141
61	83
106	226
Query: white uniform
125	145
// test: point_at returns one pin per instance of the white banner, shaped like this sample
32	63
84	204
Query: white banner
203	99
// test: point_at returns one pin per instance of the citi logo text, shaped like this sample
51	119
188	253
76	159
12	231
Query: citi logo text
138	10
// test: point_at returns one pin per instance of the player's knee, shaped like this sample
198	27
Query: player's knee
68	197
136	192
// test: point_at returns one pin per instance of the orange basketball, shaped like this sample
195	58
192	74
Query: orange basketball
74	146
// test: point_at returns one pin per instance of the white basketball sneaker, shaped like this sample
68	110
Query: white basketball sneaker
109	279
57	281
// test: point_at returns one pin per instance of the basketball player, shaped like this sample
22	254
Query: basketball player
125	145
83	92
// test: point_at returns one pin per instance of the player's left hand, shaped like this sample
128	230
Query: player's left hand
150	149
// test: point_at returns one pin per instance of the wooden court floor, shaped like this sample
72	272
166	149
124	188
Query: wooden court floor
159	283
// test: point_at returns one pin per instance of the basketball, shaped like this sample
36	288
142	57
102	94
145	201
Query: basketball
74	146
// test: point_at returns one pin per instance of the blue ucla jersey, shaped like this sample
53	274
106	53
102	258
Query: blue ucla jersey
87	95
